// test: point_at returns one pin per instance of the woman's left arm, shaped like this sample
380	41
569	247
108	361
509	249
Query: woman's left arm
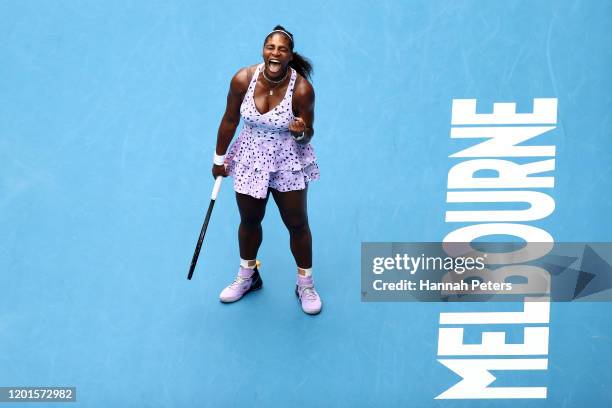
302	127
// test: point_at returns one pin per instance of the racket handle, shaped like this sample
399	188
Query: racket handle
216	188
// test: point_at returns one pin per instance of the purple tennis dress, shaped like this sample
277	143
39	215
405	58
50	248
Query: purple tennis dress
265	153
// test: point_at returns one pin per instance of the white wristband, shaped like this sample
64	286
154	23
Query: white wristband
218	160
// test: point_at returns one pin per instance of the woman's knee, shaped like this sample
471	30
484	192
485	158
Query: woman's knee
251	220
296	223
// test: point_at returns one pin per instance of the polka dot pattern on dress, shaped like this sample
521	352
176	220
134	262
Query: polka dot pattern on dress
265	154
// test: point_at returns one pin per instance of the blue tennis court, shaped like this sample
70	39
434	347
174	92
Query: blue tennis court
108	119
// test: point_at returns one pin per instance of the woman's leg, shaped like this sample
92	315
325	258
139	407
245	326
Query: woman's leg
252	211
292	207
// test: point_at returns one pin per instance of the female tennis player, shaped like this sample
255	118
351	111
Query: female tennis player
272	155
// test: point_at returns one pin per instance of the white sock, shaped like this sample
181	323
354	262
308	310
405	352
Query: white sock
248	264
304	273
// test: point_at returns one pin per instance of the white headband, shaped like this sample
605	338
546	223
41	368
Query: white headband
281	31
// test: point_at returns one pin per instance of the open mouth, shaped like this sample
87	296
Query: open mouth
274	66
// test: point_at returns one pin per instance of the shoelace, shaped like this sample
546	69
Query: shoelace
238	282
308	292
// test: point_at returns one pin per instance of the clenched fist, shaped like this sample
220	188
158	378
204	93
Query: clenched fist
298	130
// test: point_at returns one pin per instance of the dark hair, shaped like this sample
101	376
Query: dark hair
301	64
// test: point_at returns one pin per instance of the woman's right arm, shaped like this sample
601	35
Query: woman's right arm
231	117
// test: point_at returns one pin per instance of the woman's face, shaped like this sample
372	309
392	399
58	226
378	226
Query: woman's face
277	55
